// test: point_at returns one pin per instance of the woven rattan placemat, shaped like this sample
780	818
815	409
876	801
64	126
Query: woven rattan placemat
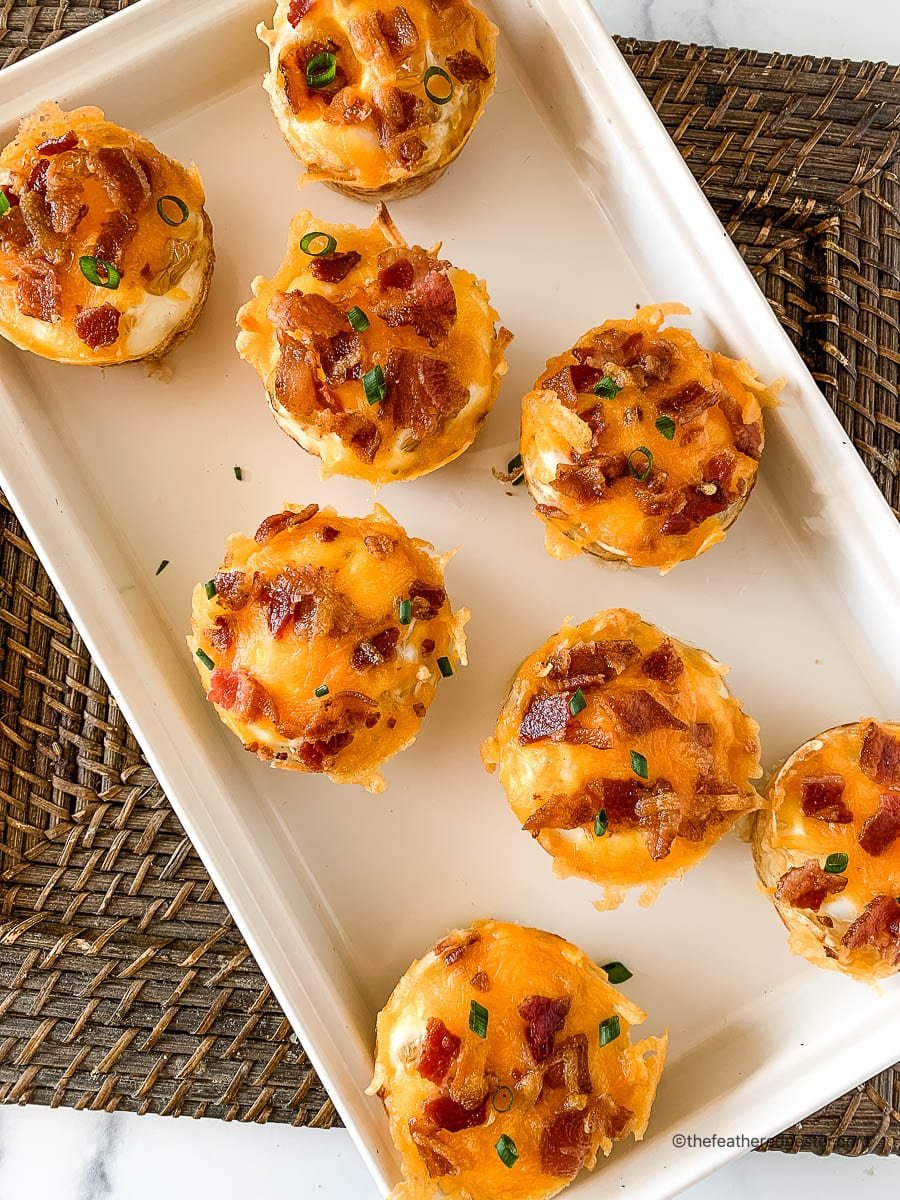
123	981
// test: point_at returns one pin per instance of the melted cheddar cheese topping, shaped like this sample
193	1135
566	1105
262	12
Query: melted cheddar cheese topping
374	129
640	446
544	1084
81	188
623	752
823	804
429	330
350	608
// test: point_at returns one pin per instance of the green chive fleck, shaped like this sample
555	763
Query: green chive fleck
617	972
164	208
478	1019
321	691
310	241
239	473
321	70
639	765
374	385
99	272
606	387
445	667
641	472
445	94
514	465
405	612
666	426
609	1030
506	1151
502	1099
578	703
210	589
601	823
836	863
162	566
206	660
5	205
358	320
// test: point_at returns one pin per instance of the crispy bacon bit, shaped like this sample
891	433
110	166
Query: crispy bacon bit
304	599
438	1051
240	693
279	522
610	1117
480	982
663	664
121	174
467	67
590	663
748	439
878	926
59	145
544	1018
427	601
399	32
569	1067
619	798
348	108
688	402
379	545
446	1114
808	886
9	194
327	533
14	231
221	635
365	440
562	812
431	1152
306	312
572	380
98	327
582	482
333	268
116	234
720	469
298	10
37	180
232	589
293	73
453	949
638	712
614	346
341	358
696	508
380	648
423	392
821	798
396	113
38	291
880	831
880	756
413	289
546	715
565	1145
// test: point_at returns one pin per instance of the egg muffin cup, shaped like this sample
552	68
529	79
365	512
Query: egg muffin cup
381	359
623	753
106	250
321	640
505	1063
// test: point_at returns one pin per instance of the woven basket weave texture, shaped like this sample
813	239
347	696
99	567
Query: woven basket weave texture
123	981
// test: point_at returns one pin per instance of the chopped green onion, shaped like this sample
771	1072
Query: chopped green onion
321	691
5	205
375	386
836	863
445	667
639	764
183	211
309	239
609	1030
506	1150
162	566
606	387
405	612
617	972
514	465
239	473
206	660
358	320
666	426
641	475
503	1099
210	589
478	1019
321	69
578	703
99	272
446	93
601	823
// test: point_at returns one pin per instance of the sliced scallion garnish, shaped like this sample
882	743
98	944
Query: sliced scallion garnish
502	1099
446	93
478	1019
445	667
836	863
507	1151
358	320
375	386
210	589
5	205
666	426
609	1030
205	659
162	566
578	703
309	241
163	207
639	764
606	387
405	612
617	972
641	473
601	823
321	691
321	69
99	272
239	473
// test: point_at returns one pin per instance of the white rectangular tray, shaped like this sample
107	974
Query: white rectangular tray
575	206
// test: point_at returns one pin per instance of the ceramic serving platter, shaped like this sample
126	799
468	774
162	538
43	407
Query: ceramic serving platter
574	205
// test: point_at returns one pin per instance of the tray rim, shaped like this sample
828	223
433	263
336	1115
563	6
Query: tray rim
157	18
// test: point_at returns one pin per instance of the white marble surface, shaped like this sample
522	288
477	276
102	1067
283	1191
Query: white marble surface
98	1156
